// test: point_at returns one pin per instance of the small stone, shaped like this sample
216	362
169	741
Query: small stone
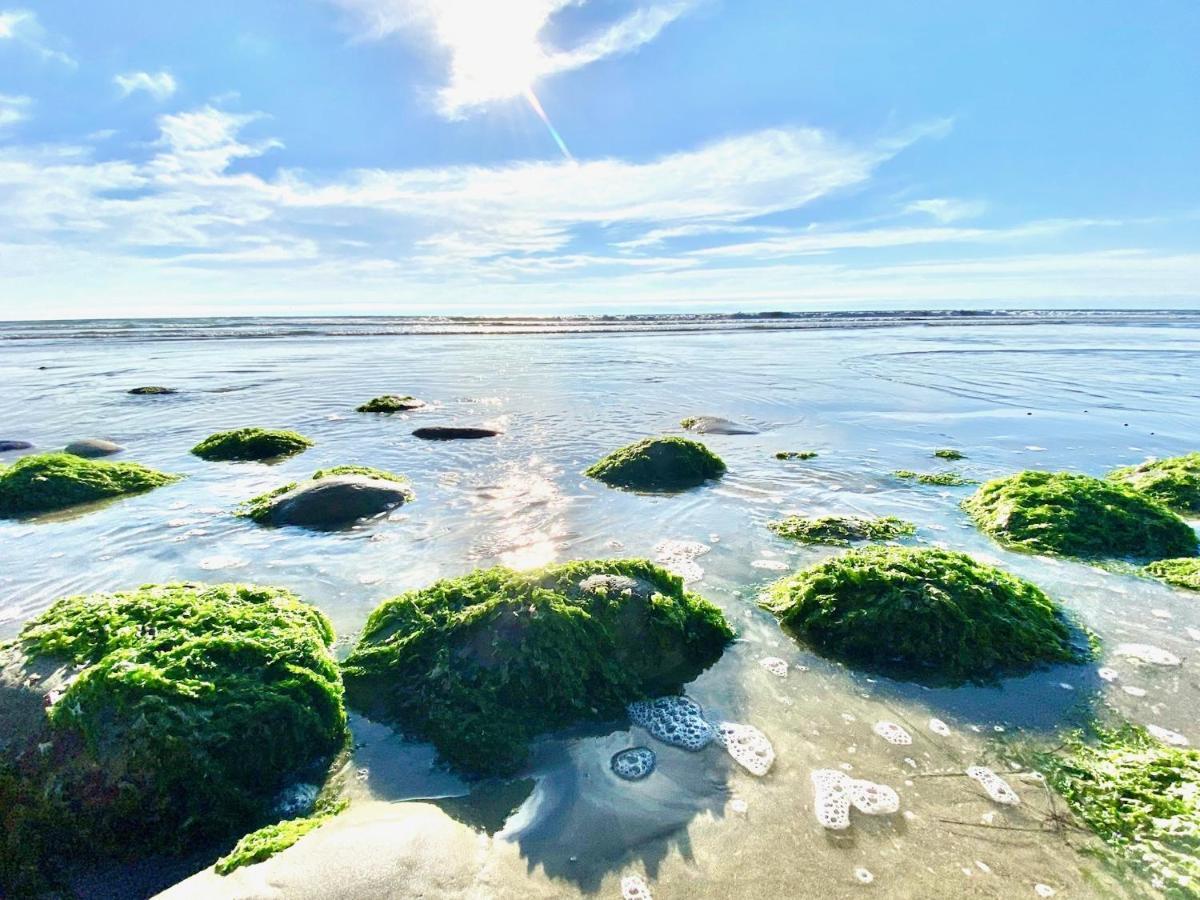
453	433
10	446
90	448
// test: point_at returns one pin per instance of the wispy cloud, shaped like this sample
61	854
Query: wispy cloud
13	108
496	50
948	209
21	26
159	85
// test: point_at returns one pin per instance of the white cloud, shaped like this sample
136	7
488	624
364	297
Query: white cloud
13	108
22	27
159	85
496	50
947	209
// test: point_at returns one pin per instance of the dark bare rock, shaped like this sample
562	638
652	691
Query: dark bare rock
716	425
10	446
453	433
336	501
152	391
90	448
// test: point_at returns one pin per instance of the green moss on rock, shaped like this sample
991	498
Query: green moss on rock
1140	796
839	531
482	664
391	403
245	444
267	841
51	481
796	454
1182	573
259	507
658	464
188	708
922	613
942	479
1174	482
1075	515
949	453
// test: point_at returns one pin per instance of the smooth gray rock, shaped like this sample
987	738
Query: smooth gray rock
337	501
9	446
453	433
717	425
90	448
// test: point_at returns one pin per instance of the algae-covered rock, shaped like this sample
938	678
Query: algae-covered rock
482	664
1139	795
1075	515
391	403
658	464
244	444
1174	482
332	498
180	713
52	481
942	479
715	425
922	613
949	453
152	390
796	454
841	530
92	448
1181	573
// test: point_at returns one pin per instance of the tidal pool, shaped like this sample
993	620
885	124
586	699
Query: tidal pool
1055	395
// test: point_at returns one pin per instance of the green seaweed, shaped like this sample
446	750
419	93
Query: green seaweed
949	453
251	444
190	709
390	403
658	464
1076	515
258	507
1181	573
924	614
51	481
1173	482
944	479
796	454
1140	796
261	845
482	664
839	531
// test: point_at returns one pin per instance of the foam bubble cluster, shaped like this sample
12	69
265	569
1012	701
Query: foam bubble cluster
677	721
680	557
1148	654
997	788
893	733
774	665
1167	736
634	887
633	763
837	792
864	876
938	727
748	746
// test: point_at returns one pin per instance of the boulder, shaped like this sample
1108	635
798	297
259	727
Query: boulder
152	391
391	403
658	464
716	425
251	444
453	433
50	481
10	446
90	448
336	501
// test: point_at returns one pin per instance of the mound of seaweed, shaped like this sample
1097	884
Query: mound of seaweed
261	507
391	403
243	444
922	613
1139	795
157	718
942	479
50	481
839	531
1076	515
1173	482
1181	573
480	665
658	464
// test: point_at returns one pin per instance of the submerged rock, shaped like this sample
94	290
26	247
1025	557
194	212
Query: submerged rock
251	444
839	531
941	479
332	498
1174	482
152	391
797	454
1075	515
91	448
1181	573
949	453
923	614
715	425
658	464
391	403
453	433
10	446
480	665
52	481
166	716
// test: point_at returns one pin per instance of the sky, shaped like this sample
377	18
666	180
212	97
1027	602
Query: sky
308	157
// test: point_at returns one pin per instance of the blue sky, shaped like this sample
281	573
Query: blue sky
385	156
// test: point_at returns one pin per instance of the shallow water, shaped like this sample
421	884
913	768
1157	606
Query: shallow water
1086	396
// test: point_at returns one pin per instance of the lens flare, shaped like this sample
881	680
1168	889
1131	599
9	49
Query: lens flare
536	104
